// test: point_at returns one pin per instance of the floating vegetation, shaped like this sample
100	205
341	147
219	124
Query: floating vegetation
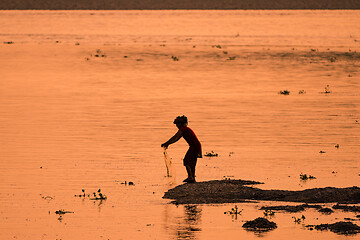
338	227
98	196
332	59
62	212
234	211
268	213
231	58
327	211
305	177
302	91
211	154
216	46
99	54
327	89
175	58
127	183
225	52
322	151
284	92
259	224
226	178
10	42
337	146
46	197
94	196
299	220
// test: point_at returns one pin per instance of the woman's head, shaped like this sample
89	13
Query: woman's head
181	121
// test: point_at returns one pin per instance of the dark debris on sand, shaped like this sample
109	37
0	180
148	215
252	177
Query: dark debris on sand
347	208
289	208
338	227
231	191
326	210
259	224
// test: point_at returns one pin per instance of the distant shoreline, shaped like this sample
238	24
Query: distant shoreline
180	5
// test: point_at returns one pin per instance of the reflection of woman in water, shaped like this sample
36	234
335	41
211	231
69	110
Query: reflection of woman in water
194	151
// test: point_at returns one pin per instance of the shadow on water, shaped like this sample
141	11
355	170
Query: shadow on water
187	228
182	221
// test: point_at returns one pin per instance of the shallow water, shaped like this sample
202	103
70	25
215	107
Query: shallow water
72	121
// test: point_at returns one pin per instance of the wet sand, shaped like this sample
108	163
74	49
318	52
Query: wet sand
232	191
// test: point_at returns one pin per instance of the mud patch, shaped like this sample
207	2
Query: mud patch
338	227
259	224
326	210
232	191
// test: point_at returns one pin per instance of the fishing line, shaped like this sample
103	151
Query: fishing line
169	168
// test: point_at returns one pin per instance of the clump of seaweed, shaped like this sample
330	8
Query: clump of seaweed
305	177
299	220
99	53
62	212
338	227
128	183
268	213
94	196
231	58
10	42
216	46
211	154
302	91
234	211
98	196
174	58
47	197
259	224
284	92
327	89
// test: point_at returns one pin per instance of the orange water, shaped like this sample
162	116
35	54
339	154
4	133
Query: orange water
70	120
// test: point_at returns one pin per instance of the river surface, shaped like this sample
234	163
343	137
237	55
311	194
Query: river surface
87	97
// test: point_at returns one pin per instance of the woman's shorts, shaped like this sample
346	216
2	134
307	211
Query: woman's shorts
191	156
